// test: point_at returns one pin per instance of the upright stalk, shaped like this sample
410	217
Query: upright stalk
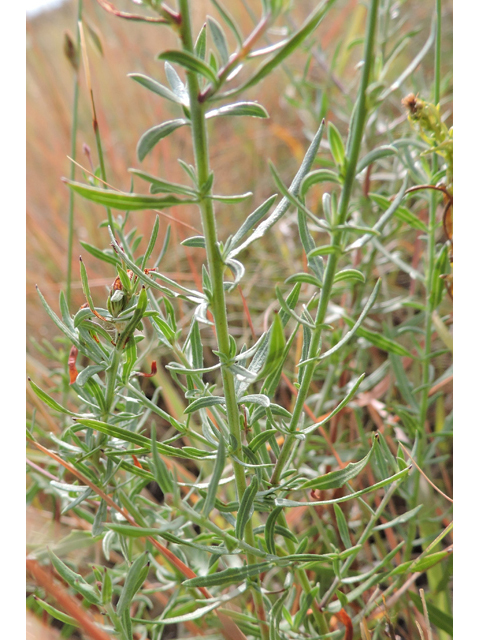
73	153
216	269
353	150
420	493
430	268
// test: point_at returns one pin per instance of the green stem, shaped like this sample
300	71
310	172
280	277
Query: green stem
101	160
423	493
111	381
353	147
216	270
304	581
73	153
430	266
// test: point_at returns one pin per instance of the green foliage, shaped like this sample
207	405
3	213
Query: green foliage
184	426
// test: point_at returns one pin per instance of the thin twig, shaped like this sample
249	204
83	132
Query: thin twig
424	474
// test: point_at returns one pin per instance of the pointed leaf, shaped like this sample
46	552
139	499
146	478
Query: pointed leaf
156	87
201	43
252	220
336	144
53	404
361	317
376	154
163	186
203	403
160	471
270	530
292	43
150	138
336	479
316	177
219	40
304	278
282	207
349	274
132	585
229	576
276	345
215	479
75	580
246	507
252	109
315	263
194	241
189	62
124	201
176	84
88	372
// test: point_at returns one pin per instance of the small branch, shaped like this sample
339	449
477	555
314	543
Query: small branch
424	474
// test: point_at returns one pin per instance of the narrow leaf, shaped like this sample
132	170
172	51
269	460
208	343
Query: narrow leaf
215	479
316	177
124	201
150	138
156	87
282	207
361	317
336	144
381	341
219	40
134	438
53	404
315	263
88	372
203	403
336	479
189	62
75	580
55	613
163	186
270	530
246	508
101	255
349	274
378	485
131	585
160	471
229	576
176	84
292	43
252	109
304	278
276	345
378	153
342	526
252	220
201	43
194	241
339	407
